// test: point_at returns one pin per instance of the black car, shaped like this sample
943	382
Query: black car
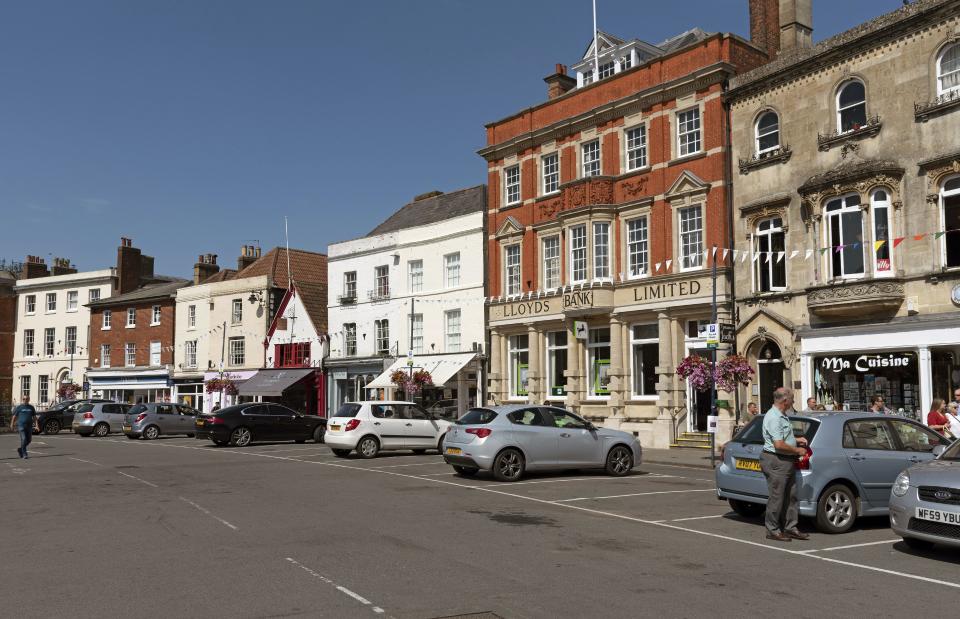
60	415
259	421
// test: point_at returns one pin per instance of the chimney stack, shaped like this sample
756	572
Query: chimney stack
765	25
248	255
129	263
796	24
559	82
35	266
205	268
61	266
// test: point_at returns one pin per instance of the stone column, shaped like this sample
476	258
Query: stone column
574	371
806	380
666	397
926	381
534	352
495	376
616	367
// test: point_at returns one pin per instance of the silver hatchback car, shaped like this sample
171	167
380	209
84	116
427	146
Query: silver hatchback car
99	419
925	502
152	419
511	439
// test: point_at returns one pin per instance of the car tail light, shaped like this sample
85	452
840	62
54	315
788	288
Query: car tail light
88	415
214	420
480	432
803	463
140	417
351	425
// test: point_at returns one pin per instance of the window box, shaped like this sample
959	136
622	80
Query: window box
770	157
923	110
344	299
828	140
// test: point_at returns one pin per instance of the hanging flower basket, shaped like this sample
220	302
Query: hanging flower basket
731	371
68	391
217	385
411	384
696	371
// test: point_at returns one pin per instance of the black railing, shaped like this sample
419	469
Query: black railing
924	109
871	127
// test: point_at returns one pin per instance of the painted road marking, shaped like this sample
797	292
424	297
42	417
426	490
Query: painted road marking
886	541
620	496
87	461
339	588
697	518
207	512
143	481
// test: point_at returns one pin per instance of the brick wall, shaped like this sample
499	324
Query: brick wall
119	335
8	327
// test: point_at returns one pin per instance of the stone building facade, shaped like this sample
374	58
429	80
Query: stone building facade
605	204
847	213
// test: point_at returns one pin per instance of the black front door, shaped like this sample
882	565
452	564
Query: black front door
771	379
701	409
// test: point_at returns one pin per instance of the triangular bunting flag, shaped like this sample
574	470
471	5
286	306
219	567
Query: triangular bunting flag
743	258
756	257
667	265
714	252
919	237
856	245
898	240
938	235
824	250
808	254
780	255
838	249
877	245
724	256
656	267
794	254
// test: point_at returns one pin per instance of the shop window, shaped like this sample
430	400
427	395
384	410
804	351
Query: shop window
598	358
645	344
770	265
519	365
848	381
691	237
601	250
512	268
950	199
882	247
948	69
578	254
845	236
851	106
697	329
768	133
557	363
551	262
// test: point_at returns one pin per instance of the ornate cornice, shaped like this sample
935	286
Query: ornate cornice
856	298
855	177
826	141
780	155
923	110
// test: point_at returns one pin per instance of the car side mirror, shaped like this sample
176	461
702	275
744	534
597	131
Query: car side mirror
591	427
939	449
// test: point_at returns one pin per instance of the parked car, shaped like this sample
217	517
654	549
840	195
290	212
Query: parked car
60	415
99	419
511	439
852	462
370	427
152	419
925	501
444	409
243	424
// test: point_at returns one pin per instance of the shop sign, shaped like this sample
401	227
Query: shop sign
569	302
661	292
580	330
866	363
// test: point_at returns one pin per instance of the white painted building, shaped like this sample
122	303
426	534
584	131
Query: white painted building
53	327
414	284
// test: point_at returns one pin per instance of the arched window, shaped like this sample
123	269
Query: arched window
948	69
770	264
768	133
851	106
844	231
882	248
950	202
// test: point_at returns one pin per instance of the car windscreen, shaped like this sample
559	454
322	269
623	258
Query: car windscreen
952	452
348	409
477	416
753	433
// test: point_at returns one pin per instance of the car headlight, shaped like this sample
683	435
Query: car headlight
902	484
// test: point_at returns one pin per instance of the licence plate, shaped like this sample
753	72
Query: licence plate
199	423
748	465
936	515
335	428
454	451
127	428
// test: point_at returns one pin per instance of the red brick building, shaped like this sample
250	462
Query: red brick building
605	204
8	330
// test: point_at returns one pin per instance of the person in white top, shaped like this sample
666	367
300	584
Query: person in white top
953	416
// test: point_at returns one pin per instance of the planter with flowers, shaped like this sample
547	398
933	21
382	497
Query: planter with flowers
411	384
68	391
696	371
221	385
731	371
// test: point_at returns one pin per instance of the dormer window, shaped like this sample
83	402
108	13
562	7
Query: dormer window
627	61
606	70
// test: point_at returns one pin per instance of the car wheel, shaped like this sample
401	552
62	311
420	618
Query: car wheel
368	447
151	432
508	465
465	471
341	453
419	452
837	509
440	444
746	509
101	430
51	427
240	437
619	461
219	443
917	544
318	434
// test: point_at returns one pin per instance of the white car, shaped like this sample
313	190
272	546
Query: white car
370	427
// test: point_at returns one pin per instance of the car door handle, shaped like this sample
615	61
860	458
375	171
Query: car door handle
858	457
564	435
376	423
915	459
408	424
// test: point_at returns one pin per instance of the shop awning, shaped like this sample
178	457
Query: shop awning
441	367
272	382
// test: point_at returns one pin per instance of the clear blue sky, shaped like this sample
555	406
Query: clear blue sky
193	126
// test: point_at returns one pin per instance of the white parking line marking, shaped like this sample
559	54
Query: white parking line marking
620	496
340	588
886	541
397	466
87	461
697	518
554	481
438	475
143	481
207	512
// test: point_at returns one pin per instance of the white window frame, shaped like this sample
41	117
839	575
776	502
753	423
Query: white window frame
884	205
104	355
606	69
512	272
93	295
417	331
381	281
107	320
382	337
350	339
944	194
453	330
43	389
49	342
511	185
689	132
51	302
155	354
514	353
70	343
190	353
828	235
237	351
131	317
156	312
841	110
577	253
25	386
191	317
636	150
73	300
601	251
550	173
29	343
350	285
130	354
236	311
766	133
690	260
451	270
552	350
638	247
768	262
592	166
550	252
30	304
955	73
591	352
415	275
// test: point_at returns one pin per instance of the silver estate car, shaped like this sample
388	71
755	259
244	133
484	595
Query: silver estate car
152	419
99	419
511	439
925	501
852	462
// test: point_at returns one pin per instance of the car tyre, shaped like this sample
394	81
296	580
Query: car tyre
150	433
508	465
368	447
51	427
419	452
240	437
191	435
836	509
440	444
341	453
747	509
101	429
465	471
917	544
619	461
318	435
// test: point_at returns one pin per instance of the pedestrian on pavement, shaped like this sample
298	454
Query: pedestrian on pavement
953	416
936	420
751	414
780	452
877	406
956	396
215	408
24	419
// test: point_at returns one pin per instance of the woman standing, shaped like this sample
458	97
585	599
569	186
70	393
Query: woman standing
936	420
953	416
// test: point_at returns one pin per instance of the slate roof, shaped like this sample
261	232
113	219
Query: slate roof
305	266
683	39
166	288
431	210
221	276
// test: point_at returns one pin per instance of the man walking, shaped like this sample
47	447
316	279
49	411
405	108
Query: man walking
24	419
780	452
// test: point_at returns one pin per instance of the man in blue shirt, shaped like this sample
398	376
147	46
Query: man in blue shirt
24	419
780	452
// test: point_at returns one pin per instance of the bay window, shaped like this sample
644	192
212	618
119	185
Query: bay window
601	250
844	231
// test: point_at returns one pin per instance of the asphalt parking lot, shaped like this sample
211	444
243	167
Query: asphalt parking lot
178	527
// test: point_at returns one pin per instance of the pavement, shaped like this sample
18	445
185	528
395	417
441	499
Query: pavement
179	528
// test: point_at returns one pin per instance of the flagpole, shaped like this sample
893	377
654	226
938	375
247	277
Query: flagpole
596	54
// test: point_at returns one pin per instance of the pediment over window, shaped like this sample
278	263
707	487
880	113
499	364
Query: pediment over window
509	227
852	174
687	185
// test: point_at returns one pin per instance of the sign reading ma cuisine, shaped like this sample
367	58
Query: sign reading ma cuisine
867	363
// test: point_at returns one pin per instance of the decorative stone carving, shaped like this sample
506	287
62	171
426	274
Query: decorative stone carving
635	188
780	155
825	141
549	208
856	299
854	177
588	191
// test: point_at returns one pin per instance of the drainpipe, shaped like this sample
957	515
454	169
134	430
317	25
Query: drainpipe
728	186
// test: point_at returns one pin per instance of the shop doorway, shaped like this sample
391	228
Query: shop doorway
700	401
769	373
